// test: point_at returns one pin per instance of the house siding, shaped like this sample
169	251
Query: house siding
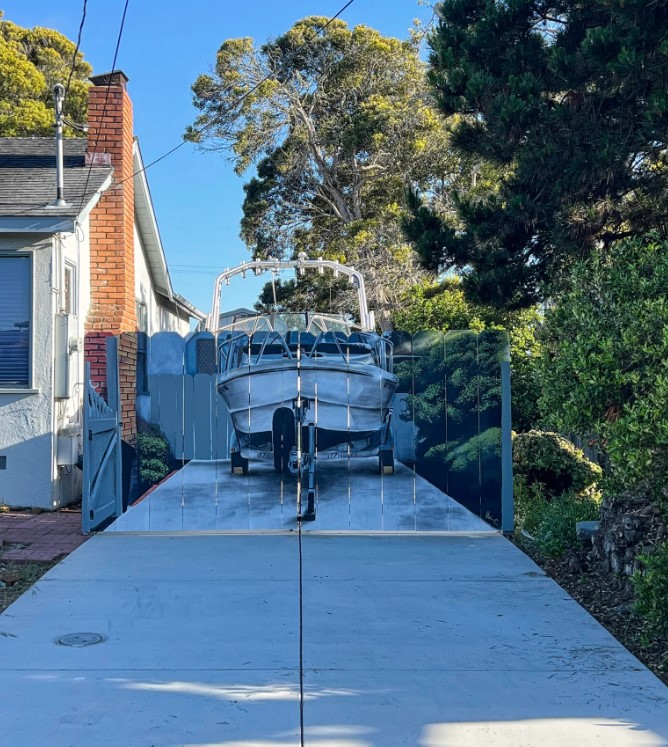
74	250
160	317
26	435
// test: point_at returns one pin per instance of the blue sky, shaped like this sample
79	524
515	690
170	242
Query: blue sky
166	44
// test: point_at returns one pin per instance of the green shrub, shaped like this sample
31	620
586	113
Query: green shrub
651	590
555	530
603	364
530	503
547	464
443	306
153	456
152	446
152	471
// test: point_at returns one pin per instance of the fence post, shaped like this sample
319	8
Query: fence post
113	385
507	497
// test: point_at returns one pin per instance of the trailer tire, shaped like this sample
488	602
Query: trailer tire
283	438
386	462
238	464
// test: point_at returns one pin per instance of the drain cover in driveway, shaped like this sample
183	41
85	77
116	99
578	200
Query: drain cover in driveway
80	639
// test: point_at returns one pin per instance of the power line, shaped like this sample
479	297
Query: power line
240	100
201	273
76	51
106	97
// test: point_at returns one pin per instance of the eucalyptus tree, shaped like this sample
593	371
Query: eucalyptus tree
336	122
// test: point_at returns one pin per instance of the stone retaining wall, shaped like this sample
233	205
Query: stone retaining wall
629	528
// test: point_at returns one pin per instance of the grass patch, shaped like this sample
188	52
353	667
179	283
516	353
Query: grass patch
556	529
17	578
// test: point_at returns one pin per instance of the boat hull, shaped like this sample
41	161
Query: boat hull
339	397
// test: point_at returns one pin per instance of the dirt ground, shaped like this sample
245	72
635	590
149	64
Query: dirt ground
32	542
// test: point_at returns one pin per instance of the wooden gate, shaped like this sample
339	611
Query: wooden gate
102	484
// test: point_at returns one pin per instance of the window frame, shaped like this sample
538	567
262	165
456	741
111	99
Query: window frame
141	378
29	387
73	310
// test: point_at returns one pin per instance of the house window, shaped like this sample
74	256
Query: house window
142	317
15	321
70	290
142	345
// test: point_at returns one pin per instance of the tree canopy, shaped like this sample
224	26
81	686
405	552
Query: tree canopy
444	307
567	101
32	61
604	358
337	121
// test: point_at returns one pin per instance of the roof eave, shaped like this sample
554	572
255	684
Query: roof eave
148	228
189	308
95	197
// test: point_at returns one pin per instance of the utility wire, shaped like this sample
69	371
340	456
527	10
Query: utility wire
76	51
106	97
240	100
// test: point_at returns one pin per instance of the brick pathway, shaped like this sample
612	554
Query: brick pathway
40	537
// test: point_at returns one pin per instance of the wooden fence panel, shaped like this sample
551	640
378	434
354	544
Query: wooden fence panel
203	432
166	353
189	415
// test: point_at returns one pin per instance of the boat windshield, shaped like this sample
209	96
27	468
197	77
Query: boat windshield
238	348
285	322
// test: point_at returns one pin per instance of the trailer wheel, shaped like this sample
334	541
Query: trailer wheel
386	462
309	514
283	438
239	464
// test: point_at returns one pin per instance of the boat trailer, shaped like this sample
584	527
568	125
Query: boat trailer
295	451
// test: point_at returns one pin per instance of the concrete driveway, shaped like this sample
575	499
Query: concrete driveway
205	496
408	639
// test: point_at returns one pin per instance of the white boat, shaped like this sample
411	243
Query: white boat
304	386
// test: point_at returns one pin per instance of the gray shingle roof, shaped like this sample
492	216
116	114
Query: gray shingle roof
28	177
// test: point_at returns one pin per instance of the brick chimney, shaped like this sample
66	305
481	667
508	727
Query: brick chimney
112	250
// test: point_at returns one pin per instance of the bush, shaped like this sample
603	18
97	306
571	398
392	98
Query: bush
556	521
651	590
603	366
444	307
546	464
153	456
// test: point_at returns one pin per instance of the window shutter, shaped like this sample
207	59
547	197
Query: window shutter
14	321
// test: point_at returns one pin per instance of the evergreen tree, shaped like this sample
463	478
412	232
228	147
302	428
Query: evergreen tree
567	101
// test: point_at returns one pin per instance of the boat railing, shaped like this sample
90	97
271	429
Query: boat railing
239	349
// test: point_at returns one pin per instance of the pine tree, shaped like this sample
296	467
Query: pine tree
568	101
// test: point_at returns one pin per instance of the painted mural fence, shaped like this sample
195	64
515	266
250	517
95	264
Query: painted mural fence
181	397
450	422
457	402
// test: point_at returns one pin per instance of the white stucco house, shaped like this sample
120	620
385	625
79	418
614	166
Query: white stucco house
69	277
